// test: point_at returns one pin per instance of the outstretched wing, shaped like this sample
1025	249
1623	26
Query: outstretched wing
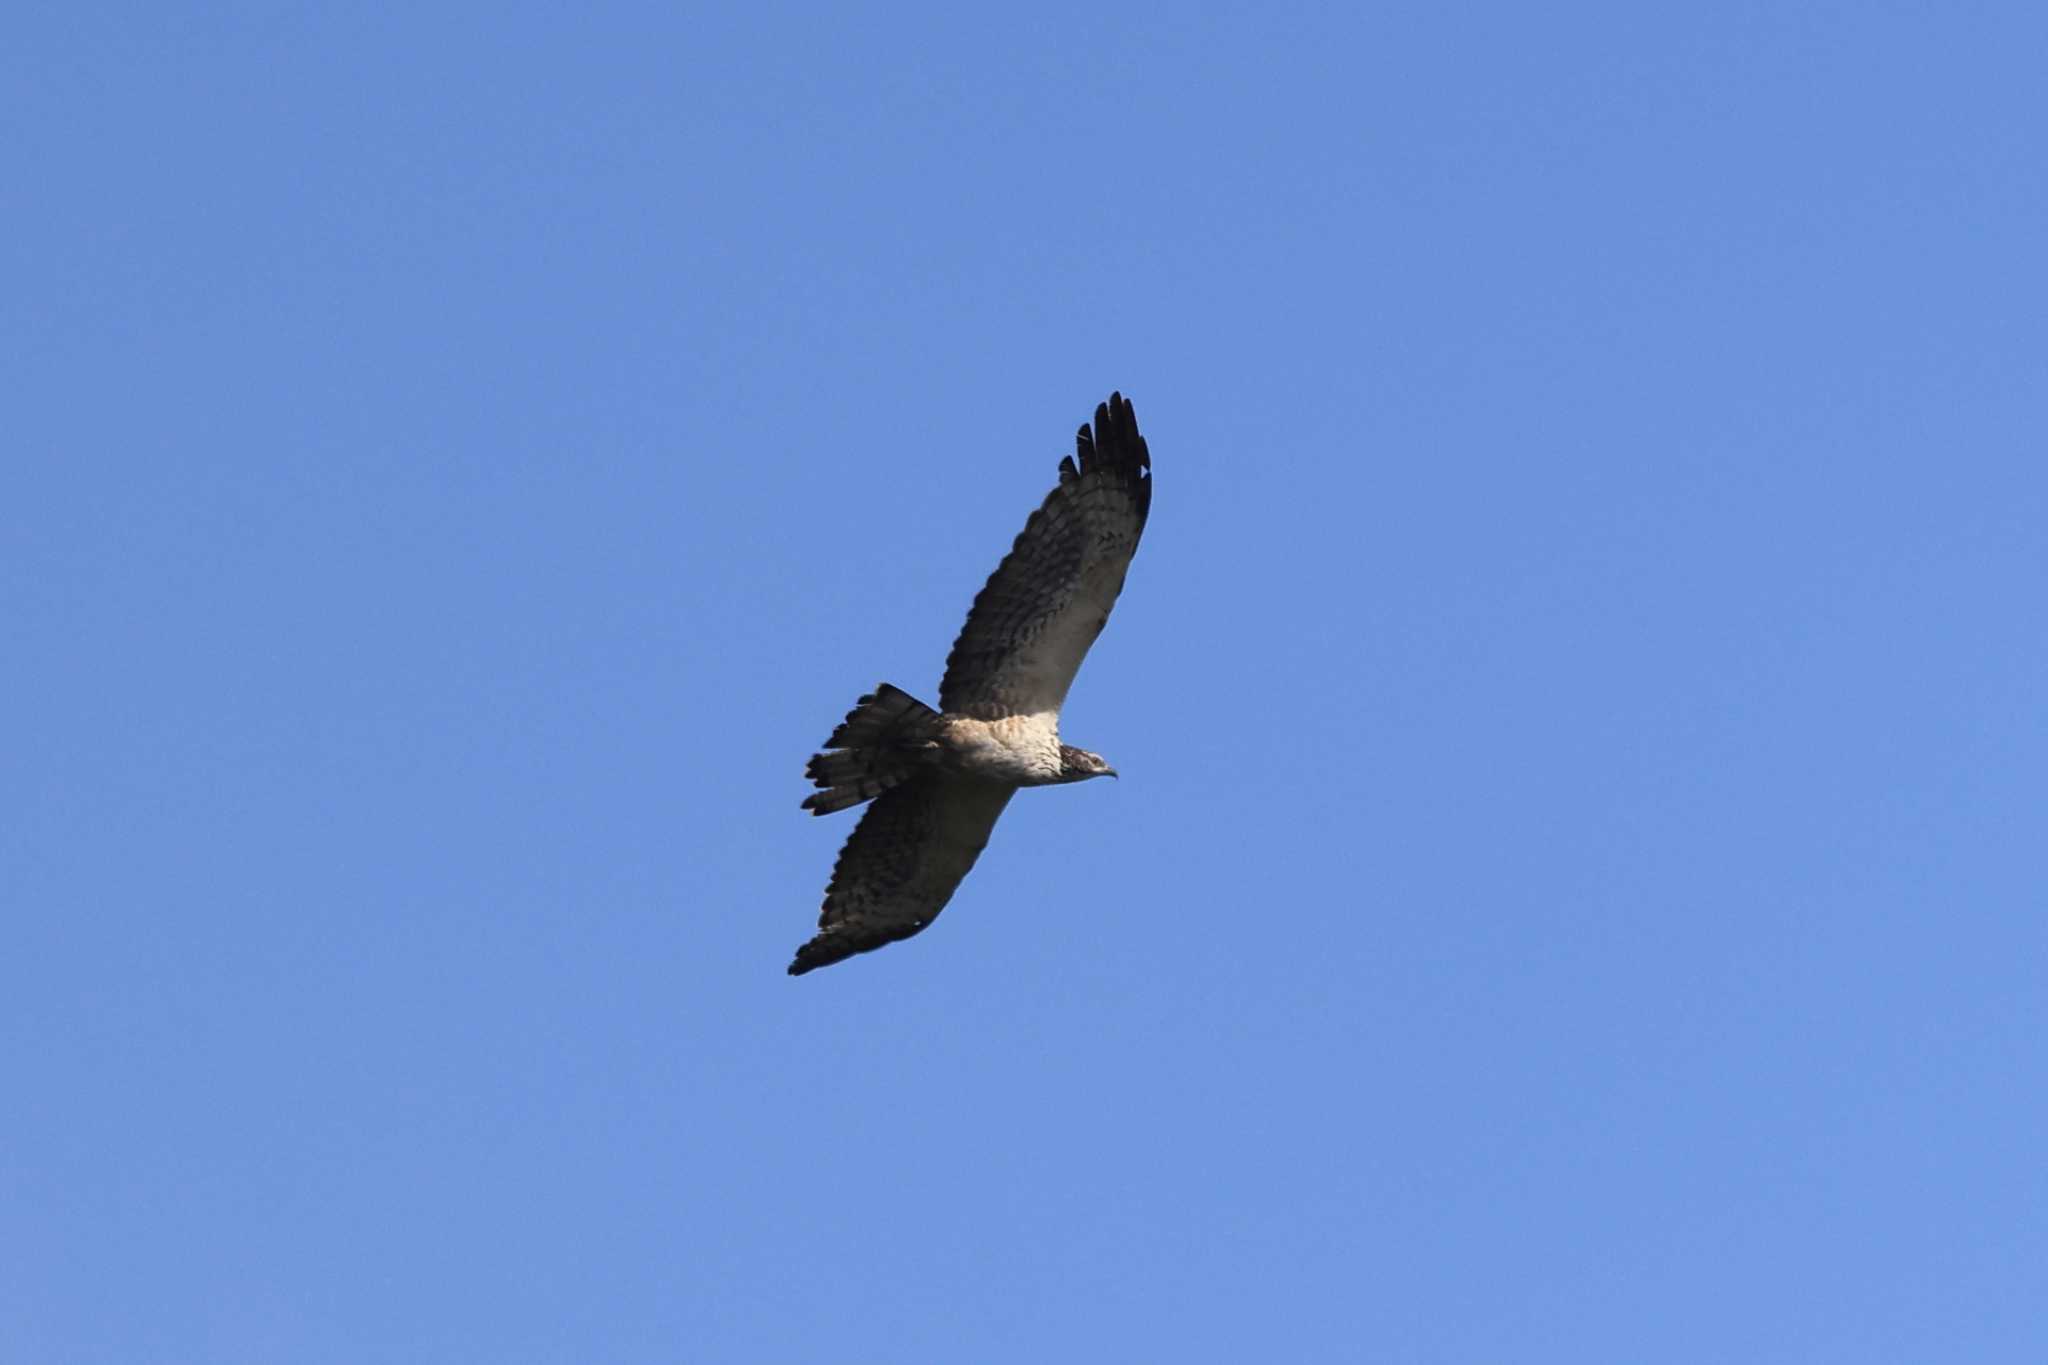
902	864
1045	604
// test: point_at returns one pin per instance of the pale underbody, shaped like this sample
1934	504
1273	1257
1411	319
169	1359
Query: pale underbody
1022	751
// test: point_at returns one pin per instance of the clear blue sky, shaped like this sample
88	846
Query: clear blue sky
1576	891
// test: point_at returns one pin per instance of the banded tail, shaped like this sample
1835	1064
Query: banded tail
888	737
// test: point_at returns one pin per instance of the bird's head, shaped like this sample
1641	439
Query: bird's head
1078	765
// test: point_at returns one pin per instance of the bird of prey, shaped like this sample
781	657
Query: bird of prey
939	778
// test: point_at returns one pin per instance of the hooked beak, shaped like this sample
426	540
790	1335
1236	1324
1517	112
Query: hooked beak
1111	772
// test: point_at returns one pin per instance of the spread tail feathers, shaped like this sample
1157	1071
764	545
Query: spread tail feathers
888	737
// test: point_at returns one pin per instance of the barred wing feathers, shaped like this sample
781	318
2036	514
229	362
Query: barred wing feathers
1032	624
902	864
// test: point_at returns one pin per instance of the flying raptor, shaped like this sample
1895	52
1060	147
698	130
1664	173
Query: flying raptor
939	779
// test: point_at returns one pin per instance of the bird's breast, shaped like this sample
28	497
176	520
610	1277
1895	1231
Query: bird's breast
1024	750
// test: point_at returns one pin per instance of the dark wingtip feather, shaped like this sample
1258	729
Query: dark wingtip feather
1116	445
822	951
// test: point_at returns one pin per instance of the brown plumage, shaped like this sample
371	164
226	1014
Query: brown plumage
938	779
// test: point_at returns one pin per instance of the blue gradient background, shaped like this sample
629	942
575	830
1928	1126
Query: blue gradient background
1576	891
